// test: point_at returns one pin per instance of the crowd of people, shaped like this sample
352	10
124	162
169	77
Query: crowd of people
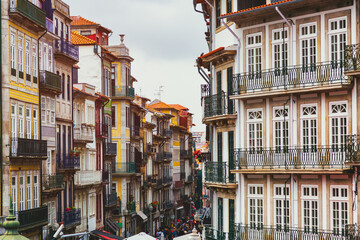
178	228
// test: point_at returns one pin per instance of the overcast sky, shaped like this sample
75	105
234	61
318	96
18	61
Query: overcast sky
164	38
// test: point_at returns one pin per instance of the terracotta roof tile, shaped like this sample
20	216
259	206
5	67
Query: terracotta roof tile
78	20
257	7
212	52
78	39
178	107
160	105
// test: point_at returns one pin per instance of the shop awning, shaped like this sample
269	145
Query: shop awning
142	215
106	235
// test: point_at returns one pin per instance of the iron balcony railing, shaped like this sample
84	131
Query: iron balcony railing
190	178
167	133
123	91
218	104
205	90
167	179
64	47
206	156
185	153
131	207
218	172
110	148
353	147
54	181
281	233
34	217
294	157
168	205
50	81
212	234
159	156
101	130
124	167
110	199
352	58
71	217
135	131
296	77
23	147
29	10
168	155
68	162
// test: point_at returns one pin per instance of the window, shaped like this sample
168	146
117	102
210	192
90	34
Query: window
50	58
27	60
48	102
13	53
219	147
255	134
281	129
61	30
21	57
21	121
308	46
339	204
280	48
338	118
28	122
28	192
13	128
63	86
228	6
337	38
220	214
218	12
36	190
69	90
56	26
40	57
52	111
113	122
14	192
48	162
256	205
281	206
46	55
309	201
43	109
67	33
22	193
35	122
34	62
85	33
254	52
309	127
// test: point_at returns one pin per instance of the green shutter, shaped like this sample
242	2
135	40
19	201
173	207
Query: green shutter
230	90
219	165
231	219
231	155
220	214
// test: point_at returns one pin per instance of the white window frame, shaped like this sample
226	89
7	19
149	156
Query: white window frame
308	118
36	189
310	199
338	33
280	120
21	121
28	66
308	37
52	111
13	50
43	109
34	64
279	42
254	46
21	42
28	122
339	116
256	197
29	193
49	162
22	196
14	190
255	122
281	198
340	200
35	122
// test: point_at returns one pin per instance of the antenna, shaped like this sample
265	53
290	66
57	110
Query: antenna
158	92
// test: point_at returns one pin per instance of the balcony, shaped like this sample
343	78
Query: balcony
53	182
212	234
110	149
28	148
168	205
296	159
50	82
179	184
159	156
49	25
105	176
167	156
65	48
131	207
167	180
135	131
71	218
67	162
218	105
190	179
24	10
206	156
218	173
123	92
182	175
111	199
124	168
352	59
261	233
32	218
101	130
315	77
83	134
167	133
185	153
87	177
205	90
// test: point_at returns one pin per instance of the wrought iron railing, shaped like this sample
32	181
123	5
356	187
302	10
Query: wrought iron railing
50	81
167	179
23	147
54	181
64	47
295	157
71	217
281	233
29	10
296	77
218	172
101	129
110	199
212	234
135	131
353	147
124	167
159	156
110	148
352	57
168	155
218	104
131	206
185	153
168	205
205	90
206	156
167	133
34	217
68	162
123	91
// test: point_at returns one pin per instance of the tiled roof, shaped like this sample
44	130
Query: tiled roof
178	107
78	20
257	7
78	39
212	52
160	105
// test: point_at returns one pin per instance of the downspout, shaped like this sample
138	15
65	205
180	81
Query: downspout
291	114
212	24
40	131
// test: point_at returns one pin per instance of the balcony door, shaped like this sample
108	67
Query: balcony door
255	137
280	57
281	136
254	61
13	129
308	39
309	154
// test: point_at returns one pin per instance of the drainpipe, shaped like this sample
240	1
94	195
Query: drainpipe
291	142
212	24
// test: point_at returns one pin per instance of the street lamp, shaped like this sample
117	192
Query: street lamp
151	209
